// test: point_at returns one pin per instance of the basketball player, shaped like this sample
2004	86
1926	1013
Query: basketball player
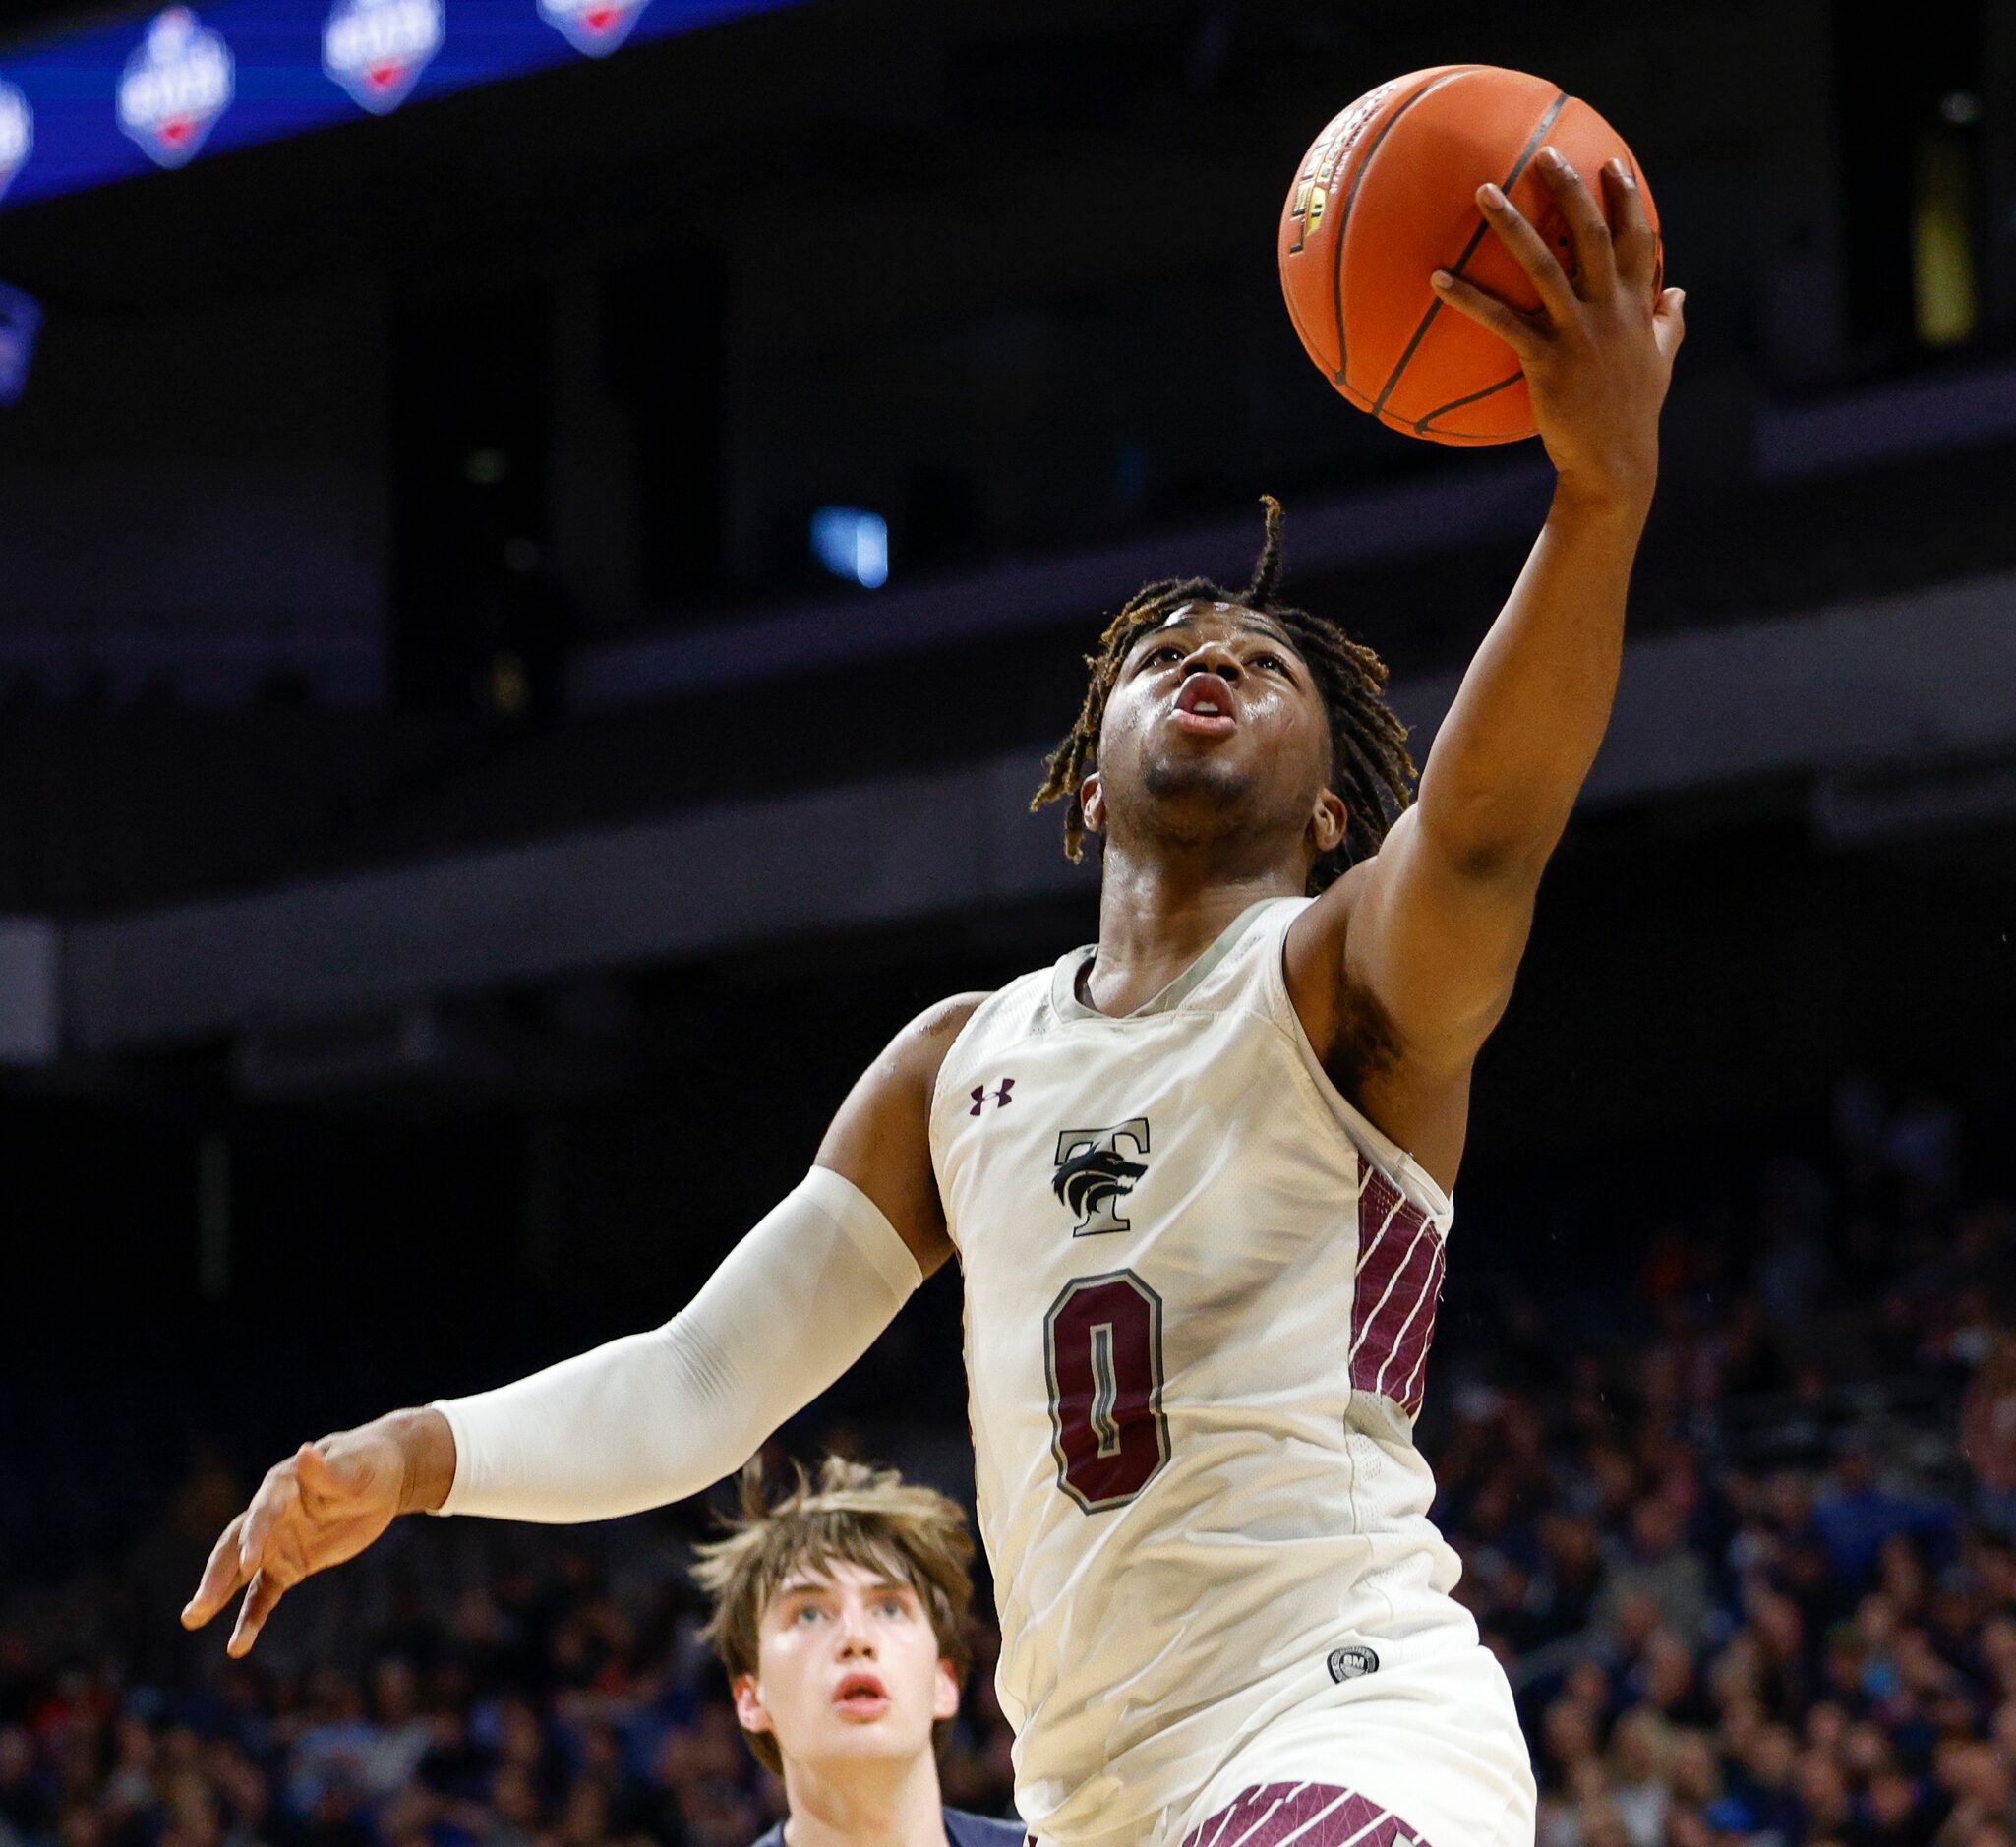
1198	1178
840	1614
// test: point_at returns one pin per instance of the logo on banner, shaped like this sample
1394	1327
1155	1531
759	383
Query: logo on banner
377	49
175	87
596	27
17	134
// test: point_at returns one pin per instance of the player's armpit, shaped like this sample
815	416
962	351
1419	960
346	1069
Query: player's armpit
880	1138
1400	973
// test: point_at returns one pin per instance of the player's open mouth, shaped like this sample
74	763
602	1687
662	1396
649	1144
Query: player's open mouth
1204	705
862	1696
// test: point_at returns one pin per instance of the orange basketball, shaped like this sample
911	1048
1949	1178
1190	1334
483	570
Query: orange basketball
1386	196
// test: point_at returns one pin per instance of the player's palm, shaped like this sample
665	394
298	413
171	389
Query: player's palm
325	1504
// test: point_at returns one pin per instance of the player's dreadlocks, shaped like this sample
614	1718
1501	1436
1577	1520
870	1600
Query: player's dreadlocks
1370	767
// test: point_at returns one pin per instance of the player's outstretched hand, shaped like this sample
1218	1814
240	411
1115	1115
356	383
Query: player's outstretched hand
1598	350
325	1504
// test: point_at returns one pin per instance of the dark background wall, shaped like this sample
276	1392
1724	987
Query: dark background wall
343	458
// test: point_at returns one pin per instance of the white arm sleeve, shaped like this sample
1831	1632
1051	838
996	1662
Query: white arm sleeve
654	1417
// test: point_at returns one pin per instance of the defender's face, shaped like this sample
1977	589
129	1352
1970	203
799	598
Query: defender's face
1214	714
847	1668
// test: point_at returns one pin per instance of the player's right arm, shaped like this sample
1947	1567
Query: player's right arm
651	1417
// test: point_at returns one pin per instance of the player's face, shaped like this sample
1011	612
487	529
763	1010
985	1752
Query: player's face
847	1668
1214	725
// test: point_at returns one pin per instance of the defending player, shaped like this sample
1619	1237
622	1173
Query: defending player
840	1614
1198	1178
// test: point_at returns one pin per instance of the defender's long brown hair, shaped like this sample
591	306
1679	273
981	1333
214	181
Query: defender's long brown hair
871	1517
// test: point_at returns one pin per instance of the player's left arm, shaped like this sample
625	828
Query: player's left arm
1432	928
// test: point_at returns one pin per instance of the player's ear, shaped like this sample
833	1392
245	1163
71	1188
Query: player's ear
749	1704
945	1694
1092	801
1329	822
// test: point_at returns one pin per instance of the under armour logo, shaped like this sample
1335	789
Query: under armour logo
1001	1097
1093	1174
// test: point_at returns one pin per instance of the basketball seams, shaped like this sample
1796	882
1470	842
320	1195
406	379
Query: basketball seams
1540	127
1421	428
1337	267
1443	142
1483	438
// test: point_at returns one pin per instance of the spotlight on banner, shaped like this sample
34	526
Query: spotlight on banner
21	319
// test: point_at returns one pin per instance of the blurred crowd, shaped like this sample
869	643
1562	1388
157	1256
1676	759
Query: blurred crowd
1738	1511
1751	1563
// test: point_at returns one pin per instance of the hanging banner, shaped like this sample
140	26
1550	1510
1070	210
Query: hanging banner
114	101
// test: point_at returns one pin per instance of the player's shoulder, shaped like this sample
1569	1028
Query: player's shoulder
943	1021
906	1074
973	1021
977	1025
920	1047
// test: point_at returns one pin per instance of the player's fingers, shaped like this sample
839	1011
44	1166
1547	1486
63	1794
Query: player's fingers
1637	243
220	1576
278	1494
260	1596
1669	321
1516	330
1596	258
1529	250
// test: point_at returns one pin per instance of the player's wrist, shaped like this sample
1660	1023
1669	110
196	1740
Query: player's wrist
1620	490
426	1449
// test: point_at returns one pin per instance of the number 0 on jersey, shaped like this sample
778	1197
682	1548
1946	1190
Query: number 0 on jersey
1103	1349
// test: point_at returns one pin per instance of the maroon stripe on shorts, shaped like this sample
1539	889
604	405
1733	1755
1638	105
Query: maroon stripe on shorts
1303	1815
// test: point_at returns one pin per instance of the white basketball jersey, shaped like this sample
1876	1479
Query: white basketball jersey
1200	1292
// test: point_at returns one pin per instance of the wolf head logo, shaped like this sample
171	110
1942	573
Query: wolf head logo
1093	1174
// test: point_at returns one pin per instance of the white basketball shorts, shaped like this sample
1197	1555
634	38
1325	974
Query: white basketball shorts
1423	1750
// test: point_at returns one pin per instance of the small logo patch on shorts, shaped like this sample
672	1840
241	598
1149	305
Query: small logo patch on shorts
1350	1663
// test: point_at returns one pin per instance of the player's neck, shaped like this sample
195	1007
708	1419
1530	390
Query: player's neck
866	1803
1158	914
